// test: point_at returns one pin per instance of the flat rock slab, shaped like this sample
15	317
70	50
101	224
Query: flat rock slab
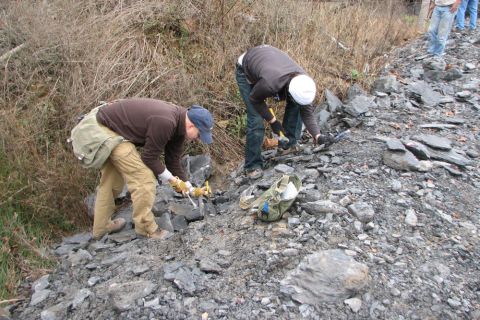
323	206
424	93
434	141
360	105
418	149
362	211
181	275
451	156
325	276
333	102
188	211
405	161
123	296
395	145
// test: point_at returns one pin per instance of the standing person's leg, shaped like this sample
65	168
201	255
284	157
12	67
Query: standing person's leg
141	183
444	27
111	184
292	122
432	30
473	11
460	18
255	126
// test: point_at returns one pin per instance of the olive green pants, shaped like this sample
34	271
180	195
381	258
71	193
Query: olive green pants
125	165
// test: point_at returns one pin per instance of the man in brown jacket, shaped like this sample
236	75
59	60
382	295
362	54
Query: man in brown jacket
264	72
160	128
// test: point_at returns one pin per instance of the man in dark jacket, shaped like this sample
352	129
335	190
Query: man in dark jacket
264	72
160	128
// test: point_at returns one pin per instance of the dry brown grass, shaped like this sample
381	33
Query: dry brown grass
78	53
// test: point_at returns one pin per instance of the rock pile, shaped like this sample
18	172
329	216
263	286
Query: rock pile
386	225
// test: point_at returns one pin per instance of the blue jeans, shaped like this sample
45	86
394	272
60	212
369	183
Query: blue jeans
439	29
472	7
292	123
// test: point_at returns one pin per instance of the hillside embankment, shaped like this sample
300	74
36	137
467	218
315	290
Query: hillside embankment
386	225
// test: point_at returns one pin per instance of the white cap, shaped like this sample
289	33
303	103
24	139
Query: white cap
302	89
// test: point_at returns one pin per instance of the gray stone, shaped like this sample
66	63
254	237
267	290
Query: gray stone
334	104
326	276
198	168
40	296
469	66
362	211
411	218
401	160
354	91
80	296
435	64
187	211
81	238
56	312
395	145
418	149
322	118
283	168
164	222
80	257
383	102
386	84
93	281
359	105
452	156
209	266
154	304
65	249
453	74
140	269
355	304
41	283
424	93
323	206
434	141
181	276
123	296
179	223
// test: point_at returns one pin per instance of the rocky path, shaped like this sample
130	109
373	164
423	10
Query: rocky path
386	225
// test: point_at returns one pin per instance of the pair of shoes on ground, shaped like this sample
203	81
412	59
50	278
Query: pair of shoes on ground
119	224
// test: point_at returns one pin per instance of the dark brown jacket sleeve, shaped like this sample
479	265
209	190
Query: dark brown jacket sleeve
307	113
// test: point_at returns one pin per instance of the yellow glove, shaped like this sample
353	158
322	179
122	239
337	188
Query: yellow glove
180	186
198	192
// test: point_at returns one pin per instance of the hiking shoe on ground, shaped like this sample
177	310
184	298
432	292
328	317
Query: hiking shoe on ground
291	149
254	174
118	224
160	235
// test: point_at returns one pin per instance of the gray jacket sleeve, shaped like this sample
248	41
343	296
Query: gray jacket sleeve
259	93
308	118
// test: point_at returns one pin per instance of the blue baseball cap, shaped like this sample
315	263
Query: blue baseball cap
203	121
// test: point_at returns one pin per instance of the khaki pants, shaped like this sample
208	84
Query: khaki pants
125	165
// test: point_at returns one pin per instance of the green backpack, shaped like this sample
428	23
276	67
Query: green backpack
272	204
91	143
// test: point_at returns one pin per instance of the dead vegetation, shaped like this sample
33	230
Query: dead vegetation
74	54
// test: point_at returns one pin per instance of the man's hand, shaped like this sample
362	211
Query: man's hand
277	128
455	6
180	186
